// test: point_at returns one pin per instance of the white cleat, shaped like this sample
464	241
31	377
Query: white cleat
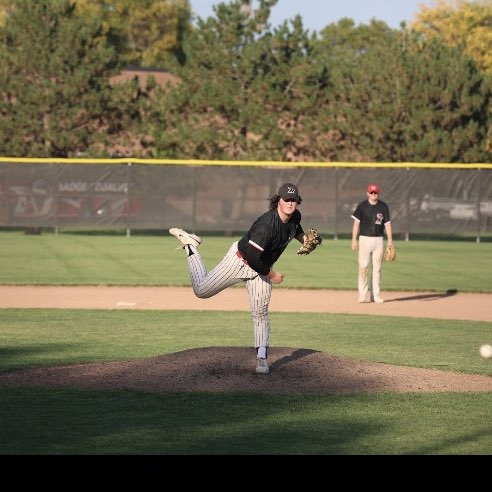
378	300
262	366
184	238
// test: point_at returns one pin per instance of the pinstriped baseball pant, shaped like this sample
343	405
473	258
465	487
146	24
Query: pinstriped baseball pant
370	248
232	270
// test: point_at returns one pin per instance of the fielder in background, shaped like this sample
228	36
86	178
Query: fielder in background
371	221
250	260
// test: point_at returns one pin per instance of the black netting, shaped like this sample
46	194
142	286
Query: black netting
228	198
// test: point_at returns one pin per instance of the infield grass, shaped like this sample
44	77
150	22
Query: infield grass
68	421
76	421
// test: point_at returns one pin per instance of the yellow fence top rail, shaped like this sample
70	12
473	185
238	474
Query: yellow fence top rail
271	164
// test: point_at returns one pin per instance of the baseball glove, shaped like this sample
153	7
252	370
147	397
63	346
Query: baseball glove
390	253
311	242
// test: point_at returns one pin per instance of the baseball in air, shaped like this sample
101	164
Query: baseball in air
486	351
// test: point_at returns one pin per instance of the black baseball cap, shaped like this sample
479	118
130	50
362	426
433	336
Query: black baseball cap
289	191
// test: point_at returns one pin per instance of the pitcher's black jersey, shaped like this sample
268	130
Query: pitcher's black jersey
267	239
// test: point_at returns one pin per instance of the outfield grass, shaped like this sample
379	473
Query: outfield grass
68	259
74	421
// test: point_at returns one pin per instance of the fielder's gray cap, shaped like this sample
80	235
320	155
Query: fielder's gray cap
289	191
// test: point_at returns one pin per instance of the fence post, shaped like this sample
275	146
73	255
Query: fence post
336	203
193	213
479	215
407	205
127	214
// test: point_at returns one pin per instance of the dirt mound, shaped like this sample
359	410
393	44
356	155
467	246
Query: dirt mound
229	369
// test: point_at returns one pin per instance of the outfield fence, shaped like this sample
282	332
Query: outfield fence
225	197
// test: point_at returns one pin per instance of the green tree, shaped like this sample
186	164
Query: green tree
245	91
54	81
399	98
145	32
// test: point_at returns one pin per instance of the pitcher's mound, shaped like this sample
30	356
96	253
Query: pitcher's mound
228	369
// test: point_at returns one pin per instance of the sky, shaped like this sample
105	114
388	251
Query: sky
317	14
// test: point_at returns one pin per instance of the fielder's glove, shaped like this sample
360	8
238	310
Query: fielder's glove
311	241
390	253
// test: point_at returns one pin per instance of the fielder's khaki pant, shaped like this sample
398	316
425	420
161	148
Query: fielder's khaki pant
371	250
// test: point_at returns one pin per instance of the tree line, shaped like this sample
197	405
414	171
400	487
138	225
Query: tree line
244	90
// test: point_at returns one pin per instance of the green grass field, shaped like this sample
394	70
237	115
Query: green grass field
61	421
72	259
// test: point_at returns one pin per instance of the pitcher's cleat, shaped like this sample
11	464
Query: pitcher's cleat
262	366
185	238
